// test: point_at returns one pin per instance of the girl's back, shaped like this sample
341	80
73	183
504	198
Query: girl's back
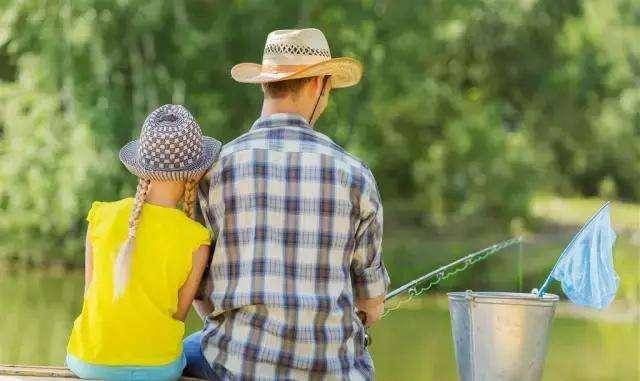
138	327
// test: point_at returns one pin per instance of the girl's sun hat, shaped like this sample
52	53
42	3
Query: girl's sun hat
298	53
171	147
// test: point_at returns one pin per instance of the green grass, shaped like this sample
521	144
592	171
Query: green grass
575	211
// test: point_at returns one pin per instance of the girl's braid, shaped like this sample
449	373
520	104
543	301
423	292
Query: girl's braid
122	266
189	198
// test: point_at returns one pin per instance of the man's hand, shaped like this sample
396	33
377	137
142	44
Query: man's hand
372	309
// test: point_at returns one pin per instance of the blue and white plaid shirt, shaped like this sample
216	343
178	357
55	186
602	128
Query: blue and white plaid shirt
299	233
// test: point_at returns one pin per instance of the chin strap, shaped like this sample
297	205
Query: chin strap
324	85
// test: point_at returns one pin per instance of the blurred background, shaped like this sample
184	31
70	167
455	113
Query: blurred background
481	119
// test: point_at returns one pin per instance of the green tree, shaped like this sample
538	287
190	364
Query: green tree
466	107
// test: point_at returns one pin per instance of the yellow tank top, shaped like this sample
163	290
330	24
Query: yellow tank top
138	328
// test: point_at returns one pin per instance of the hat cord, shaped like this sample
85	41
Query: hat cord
324	85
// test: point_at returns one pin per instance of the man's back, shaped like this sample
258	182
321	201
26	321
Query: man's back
299	225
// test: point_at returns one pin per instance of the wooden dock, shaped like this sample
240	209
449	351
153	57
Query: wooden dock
43	373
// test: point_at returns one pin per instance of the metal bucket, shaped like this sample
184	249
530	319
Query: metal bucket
500	335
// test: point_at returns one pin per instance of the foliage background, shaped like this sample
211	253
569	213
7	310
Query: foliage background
467	108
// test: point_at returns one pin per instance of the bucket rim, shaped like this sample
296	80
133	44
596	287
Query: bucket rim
489	296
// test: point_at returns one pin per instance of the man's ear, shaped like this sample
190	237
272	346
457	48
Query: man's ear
315	86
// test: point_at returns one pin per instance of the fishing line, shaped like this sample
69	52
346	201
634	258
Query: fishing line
444	272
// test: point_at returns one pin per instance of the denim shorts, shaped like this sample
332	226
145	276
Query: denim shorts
197	364
168	372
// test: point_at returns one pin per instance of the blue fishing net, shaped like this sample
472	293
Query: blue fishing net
585	268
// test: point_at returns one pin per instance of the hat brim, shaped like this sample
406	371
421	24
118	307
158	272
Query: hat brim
130	158
344	72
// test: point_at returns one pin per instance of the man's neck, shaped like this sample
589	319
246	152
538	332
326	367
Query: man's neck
273	106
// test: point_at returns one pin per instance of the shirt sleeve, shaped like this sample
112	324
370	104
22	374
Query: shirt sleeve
202	204
202	237
92	218
206	217
370	276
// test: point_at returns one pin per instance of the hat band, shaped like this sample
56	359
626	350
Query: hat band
273	69
282	69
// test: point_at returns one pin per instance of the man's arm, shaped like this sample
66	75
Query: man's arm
370	277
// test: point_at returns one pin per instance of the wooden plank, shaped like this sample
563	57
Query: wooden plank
43	373
36	371
32	378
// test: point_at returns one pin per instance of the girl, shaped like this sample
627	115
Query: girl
145	257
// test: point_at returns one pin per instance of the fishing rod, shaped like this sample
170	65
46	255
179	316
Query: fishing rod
440	274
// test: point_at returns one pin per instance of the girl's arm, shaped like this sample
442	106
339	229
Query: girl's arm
201	303
88	263
190	287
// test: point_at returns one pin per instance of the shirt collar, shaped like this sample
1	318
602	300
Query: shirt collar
280	120
289	120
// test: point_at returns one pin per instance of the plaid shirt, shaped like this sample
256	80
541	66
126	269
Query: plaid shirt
299	234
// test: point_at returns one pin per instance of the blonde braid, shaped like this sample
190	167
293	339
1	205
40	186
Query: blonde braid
122	264
189	198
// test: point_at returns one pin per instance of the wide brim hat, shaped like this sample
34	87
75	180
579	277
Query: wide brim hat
171	147
298	53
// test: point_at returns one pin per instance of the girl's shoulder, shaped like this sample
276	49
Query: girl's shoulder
107	213
183	227
101	209
108	217
196	231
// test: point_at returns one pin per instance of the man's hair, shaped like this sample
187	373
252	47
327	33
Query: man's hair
282	89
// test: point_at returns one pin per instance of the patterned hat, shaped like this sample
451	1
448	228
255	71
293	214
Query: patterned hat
171	147
298	53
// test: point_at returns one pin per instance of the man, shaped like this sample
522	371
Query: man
299	232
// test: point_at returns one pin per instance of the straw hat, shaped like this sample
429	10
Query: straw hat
298	53
171	147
